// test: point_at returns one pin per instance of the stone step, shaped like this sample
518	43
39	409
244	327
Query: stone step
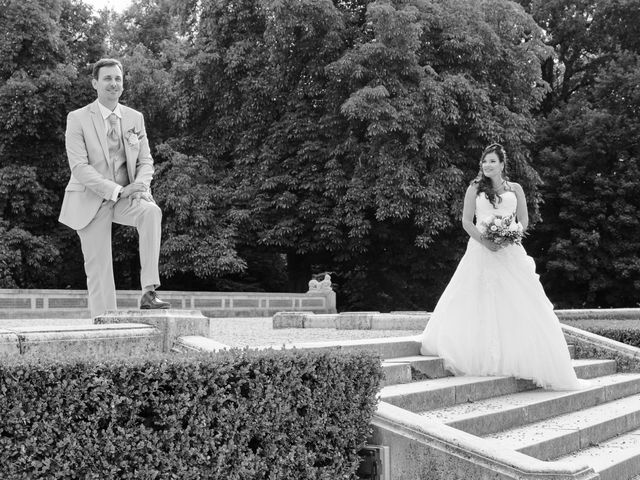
424	366
587	368
433	394
615	459
513	410
396	373
448	391
197	343
568	433
386	348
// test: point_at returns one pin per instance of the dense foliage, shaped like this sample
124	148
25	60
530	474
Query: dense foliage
239	415
587	151
630	336
299	136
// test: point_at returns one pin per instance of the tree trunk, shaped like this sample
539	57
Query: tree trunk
299	272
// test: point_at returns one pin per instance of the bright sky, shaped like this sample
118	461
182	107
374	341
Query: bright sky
117	5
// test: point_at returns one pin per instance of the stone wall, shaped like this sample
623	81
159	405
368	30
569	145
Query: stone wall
44	303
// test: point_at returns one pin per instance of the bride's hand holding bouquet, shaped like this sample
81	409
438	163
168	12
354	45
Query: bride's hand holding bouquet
500	231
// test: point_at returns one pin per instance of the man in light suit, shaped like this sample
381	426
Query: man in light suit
111	171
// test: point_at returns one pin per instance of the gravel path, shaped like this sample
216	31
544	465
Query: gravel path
240	332
247	331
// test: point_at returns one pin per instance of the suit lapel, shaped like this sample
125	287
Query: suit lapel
127	124
98	123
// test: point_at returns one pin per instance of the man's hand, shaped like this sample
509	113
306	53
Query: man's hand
136	191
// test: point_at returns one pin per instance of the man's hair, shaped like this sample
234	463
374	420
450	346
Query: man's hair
105	62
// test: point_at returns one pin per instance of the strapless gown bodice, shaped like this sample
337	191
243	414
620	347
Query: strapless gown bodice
506	204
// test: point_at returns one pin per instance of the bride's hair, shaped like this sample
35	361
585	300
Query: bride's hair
483	182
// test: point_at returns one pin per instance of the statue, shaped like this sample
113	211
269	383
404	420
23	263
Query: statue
322	285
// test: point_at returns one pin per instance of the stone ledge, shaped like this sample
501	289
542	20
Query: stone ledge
392	347
590	345
599	314
125	338
194	343
171	323
352	320
304	320
426	449
417	320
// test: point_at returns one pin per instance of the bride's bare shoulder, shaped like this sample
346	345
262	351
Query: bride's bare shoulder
515	186
472	189
473	186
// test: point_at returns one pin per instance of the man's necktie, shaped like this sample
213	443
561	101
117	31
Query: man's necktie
113	137
114	142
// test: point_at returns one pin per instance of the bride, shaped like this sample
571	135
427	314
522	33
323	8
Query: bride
494	317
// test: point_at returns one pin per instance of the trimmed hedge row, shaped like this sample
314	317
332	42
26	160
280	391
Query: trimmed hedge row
238	415
630	336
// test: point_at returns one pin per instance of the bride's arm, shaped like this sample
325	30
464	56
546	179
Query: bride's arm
521	211
468	212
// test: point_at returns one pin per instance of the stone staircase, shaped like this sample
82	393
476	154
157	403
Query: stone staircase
532	433
441	427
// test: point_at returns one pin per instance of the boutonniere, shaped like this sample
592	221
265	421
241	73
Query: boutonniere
133	137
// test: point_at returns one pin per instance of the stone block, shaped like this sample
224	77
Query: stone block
9	343
399	321
395	373
171	323
355	320
194	343
289	319
428	366
91	340
322	320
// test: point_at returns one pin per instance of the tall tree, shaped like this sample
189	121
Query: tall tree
199	248
44	44
587	153
350	129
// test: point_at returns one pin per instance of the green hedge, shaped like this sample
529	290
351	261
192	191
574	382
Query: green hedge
238	415
630	336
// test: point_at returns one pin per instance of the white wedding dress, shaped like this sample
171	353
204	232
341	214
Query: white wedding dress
494	317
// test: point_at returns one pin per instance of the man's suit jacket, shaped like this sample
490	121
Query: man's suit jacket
92	178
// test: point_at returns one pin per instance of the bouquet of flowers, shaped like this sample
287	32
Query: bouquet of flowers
502	230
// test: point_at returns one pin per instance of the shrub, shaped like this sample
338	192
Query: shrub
630	336
238	415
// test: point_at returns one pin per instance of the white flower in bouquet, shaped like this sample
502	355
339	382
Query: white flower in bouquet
515	227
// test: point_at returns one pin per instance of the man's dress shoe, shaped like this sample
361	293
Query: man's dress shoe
150	301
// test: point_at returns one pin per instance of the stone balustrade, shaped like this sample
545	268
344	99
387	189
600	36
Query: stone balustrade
45	303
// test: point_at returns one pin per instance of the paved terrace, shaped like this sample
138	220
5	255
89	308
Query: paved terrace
246	331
